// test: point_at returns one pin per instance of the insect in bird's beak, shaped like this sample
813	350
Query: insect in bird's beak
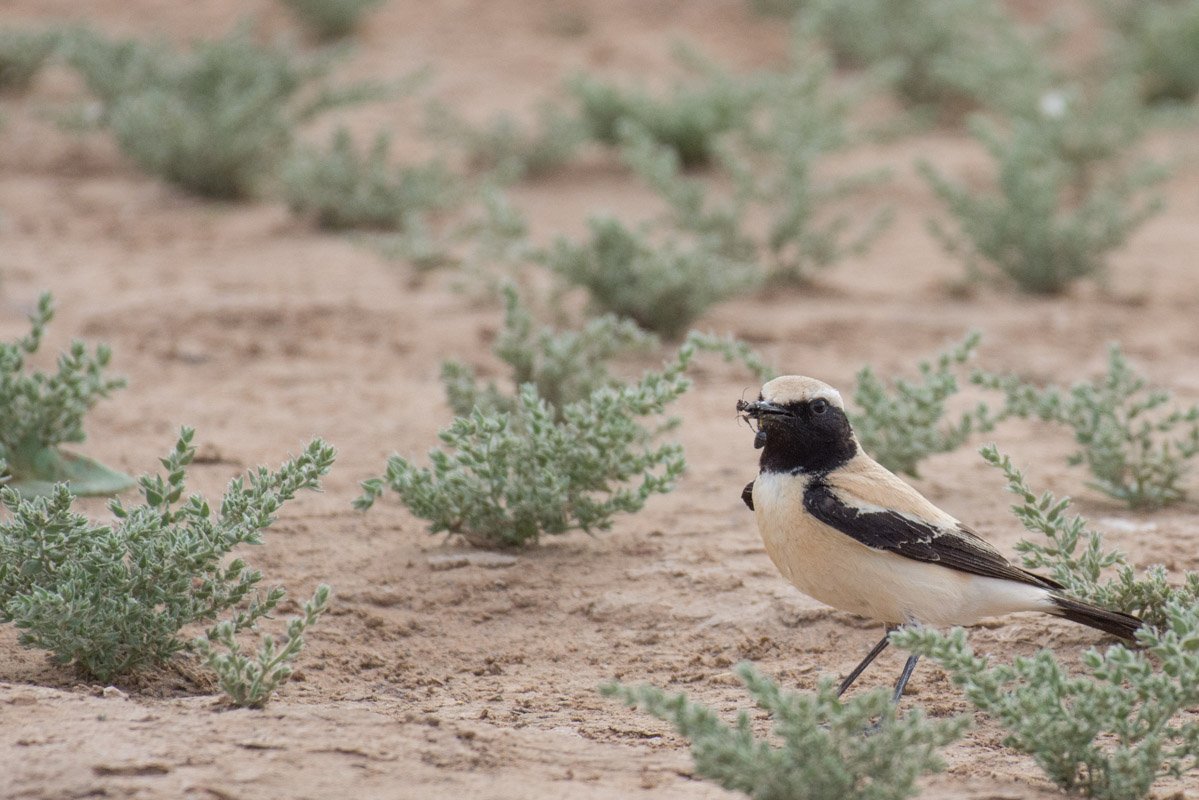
759	408
755	411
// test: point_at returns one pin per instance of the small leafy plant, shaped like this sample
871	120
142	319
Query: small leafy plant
689	120
1077	559
564	366
900	431
1136	452
1049	223
502	146
952	54
663	288
732	349
346	189
112	599
22	56
216	121
1109	734
251	681
507	479
819	750
771	165
332	19
39	412
111	67
1157	42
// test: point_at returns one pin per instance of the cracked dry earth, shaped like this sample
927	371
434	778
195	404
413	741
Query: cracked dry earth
443	673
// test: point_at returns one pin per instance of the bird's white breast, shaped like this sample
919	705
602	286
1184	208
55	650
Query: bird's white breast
835	569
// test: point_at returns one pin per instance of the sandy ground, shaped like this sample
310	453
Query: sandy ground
481	682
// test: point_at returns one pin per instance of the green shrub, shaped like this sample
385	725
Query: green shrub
22	56
112	68
1048	224
112	599
805	126
39	412
1134	451
954	54
1109	734
732	349
346	189
1091	128
250	682
663	288
772	169
902	430
507	479
689	119
501	145
1157	42
331	19
564	366
822	748
487	241
1081	572
216	121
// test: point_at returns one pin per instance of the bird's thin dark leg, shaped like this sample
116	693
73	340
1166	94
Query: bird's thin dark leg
904	676
860	668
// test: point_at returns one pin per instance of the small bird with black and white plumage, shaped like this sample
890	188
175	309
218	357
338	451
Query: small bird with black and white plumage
849	533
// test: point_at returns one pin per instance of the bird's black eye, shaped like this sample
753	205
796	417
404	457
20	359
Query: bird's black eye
819	405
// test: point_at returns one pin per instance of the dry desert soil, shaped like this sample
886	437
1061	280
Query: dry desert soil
436	677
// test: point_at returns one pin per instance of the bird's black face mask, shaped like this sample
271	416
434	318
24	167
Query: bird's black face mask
803	436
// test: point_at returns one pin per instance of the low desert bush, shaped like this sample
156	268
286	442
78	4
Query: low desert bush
40	411
662	287
346	189
113	598
516	468
488	240
217	120
564	366
1077	559
822	748
902	428
331	19
1090	127
504	147
507	479
1157	42
772	169
732	349
1048	223
250	681
1109	733
112	67
947	53
23	53
689	119
1136	451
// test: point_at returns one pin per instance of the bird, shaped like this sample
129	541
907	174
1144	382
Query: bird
848	532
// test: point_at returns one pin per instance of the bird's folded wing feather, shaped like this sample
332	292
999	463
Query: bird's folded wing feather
884	513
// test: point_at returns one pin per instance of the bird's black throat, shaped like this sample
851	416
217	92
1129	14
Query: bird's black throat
806	442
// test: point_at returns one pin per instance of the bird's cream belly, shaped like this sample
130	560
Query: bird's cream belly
839	571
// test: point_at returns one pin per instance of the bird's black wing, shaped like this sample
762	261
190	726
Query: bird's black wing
747	495
959	549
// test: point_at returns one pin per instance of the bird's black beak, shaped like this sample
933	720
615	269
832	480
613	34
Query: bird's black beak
760	408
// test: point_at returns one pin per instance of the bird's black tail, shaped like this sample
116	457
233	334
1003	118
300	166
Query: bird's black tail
1113	622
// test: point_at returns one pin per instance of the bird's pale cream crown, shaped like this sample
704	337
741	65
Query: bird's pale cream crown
787	389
